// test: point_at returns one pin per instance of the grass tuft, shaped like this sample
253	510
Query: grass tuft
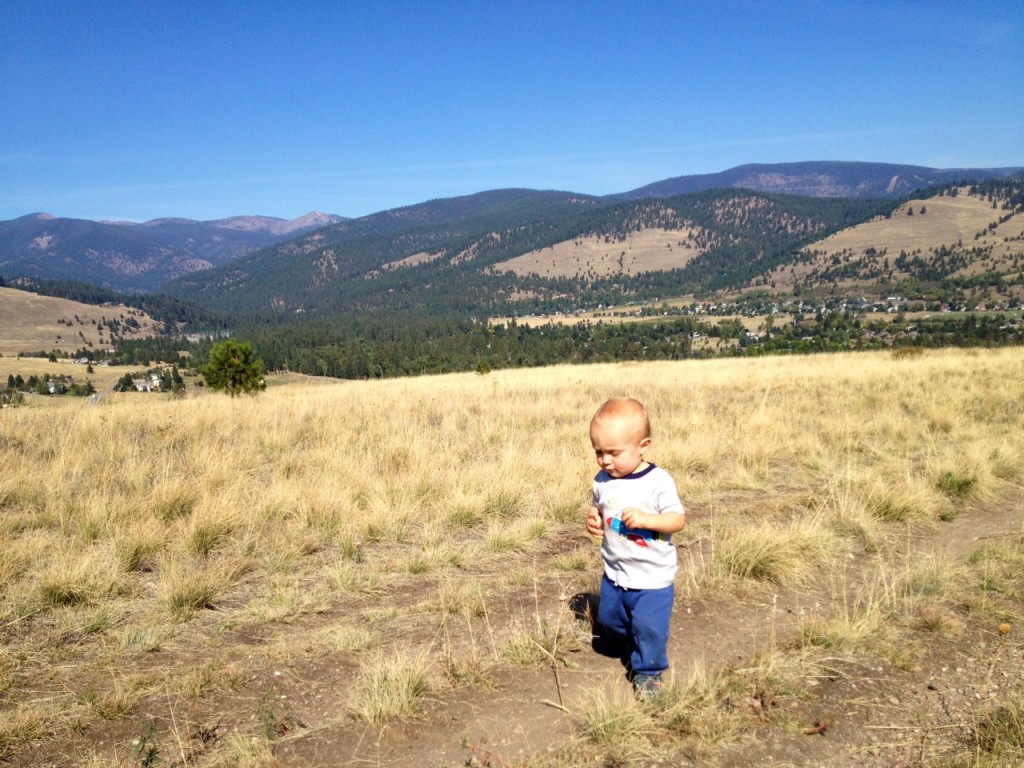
142	639
613	718
896	502
505	505
21	726
79	578
170	501
778	555
250	751
207	532
186	587
697	708
135	546
933	618
391	688
1000	732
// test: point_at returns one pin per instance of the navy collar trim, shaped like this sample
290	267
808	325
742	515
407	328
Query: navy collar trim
636	475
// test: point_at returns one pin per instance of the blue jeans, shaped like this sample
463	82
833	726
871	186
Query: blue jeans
638	620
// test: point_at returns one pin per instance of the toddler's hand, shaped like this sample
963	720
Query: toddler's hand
594	525
634	518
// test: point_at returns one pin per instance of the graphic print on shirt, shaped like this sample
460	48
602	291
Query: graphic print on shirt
639	536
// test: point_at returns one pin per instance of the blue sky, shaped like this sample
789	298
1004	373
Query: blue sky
140	110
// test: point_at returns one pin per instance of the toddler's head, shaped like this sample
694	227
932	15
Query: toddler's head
619	432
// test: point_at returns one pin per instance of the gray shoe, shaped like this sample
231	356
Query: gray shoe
647	687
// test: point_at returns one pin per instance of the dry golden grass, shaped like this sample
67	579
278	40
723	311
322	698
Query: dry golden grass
390	688
425	502
616	720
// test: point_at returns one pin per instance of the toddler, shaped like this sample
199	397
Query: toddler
635	511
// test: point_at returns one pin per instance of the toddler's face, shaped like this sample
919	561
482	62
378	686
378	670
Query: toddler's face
618	445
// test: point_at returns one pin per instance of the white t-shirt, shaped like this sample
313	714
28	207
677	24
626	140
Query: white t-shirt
637	558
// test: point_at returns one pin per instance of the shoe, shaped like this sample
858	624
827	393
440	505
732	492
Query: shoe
647	687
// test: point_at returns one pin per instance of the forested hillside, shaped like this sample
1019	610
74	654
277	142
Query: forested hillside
339	269
131	257
345	269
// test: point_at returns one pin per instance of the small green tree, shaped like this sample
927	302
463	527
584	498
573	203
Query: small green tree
234	368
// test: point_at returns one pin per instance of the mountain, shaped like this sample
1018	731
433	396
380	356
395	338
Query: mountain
460	255
136	257
819	179
525	252
328	269
278	227
298	263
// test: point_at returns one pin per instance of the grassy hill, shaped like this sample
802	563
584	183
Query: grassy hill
349	267
32	323
954	237
395	573
958	234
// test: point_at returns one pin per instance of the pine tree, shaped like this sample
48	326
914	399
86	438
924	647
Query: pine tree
234	368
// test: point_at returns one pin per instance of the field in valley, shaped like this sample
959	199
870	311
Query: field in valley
395	573
102	376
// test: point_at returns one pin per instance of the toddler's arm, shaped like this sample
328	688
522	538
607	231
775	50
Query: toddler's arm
667	522
595	527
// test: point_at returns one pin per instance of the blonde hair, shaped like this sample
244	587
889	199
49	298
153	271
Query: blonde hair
628	409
